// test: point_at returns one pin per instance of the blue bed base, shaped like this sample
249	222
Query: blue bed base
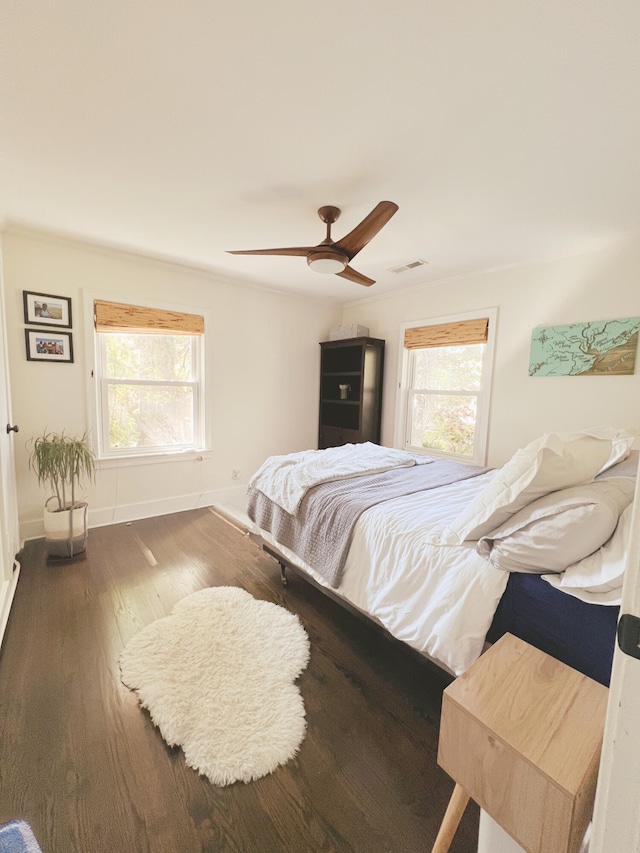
578	634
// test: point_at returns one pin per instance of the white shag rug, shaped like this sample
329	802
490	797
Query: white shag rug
217	677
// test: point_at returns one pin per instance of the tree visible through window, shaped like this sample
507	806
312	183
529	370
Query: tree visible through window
444	398
150	389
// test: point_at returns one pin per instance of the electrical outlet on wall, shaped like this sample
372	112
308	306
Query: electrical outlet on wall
235	474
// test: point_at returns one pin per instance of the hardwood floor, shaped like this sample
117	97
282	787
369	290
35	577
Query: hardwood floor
86	767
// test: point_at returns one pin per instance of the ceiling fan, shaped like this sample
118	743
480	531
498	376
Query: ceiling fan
334	257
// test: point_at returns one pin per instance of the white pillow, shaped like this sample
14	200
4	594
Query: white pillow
607	564
607	594
598	578
628	467
622	442
558	529
554	461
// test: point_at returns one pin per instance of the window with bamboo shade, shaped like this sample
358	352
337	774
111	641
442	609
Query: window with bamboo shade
445	385
150	379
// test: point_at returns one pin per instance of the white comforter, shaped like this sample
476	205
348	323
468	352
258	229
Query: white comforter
440	599
286	479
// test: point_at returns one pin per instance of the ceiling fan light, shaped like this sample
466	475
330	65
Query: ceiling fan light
326	262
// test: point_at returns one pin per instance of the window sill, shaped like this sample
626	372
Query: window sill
442	454
126	461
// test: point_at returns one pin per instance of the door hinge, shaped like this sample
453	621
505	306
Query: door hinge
629	635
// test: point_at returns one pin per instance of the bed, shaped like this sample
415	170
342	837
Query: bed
448	556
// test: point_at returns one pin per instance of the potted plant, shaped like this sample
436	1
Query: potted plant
61	462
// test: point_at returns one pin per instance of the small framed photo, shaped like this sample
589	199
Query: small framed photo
43	309
47	345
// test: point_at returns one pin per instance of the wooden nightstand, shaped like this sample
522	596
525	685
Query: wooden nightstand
521	734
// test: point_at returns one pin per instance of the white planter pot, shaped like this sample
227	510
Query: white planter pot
65	529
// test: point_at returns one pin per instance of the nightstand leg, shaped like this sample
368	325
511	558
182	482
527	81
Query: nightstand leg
451	819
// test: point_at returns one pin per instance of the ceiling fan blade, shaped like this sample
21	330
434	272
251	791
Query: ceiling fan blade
354	275
298	251
368	228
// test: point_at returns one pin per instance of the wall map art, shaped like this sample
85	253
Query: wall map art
599	348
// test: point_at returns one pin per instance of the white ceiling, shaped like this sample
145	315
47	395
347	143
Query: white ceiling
505	130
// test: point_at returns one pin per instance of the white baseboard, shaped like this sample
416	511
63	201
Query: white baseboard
233	496
7	591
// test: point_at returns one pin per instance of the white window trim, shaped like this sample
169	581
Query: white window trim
484	397
130	457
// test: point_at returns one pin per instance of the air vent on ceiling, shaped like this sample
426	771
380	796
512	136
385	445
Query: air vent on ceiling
410	266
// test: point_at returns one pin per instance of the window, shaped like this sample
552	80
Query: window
149	377
444	399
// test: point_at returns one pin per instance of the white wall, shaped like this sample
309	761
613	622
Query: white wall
264	359
597	286
263	356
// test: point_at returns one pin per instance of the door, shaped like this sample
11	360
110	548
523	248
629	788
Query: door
9	529
616	820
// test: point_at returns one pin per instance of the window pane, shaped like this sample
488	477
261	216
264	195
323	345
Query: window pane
443	422
147	416
159	357
448	368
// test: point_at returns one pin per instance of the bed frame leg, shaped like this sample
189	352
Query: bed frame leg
283	575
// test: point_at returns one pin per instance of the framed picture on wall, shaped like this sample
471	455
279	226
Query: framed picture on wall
44	309
596	348
47	345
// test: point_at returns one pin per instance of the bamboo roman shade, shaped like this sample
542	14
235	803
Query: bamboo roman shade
447	334
137	320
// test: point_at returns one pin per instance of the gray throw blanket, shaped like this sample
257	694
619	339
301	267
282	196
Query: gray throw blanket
320	533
